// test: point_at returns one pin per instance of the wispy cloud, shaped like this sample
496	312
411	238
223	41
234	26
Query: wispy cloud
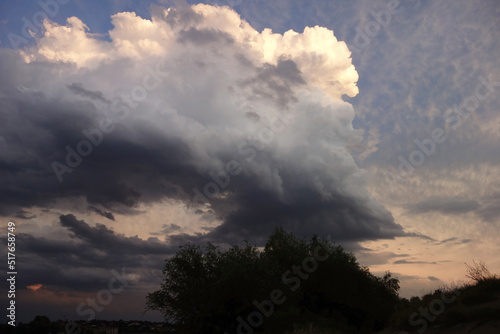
413	262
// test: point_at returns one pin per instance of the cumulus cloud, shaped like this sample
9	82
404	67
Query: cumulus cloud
186	101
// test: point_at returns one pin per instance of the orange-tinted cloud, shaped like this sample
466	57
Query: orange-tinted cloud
34	287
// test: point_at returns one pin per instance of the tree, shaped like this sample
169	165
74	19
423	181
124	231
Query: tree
208	290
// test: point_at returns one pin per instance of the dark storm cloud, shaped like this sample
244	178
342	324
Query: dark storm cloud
190	124
121	172
258	211
37	131
449	206
106	240
82	262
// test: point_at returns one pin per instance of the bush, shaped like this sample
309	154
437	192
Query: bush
478	272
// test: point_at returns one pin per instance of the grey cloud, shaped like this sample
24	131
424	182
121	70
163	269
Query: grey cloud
204	37
167	229
276	82
253	116
413	262
448	240
78	89
181	14
21	214
377	258
82	262
108	241
105	214
142	162
455	241
490	211
451	206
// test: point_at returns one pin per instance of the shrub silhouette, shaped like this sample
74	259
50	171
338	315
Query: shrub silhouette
478	272
475	301
212	291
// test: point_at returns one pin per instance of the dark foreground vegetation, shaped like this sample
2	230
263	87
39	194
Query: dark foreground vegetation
291	284
476	303
42	325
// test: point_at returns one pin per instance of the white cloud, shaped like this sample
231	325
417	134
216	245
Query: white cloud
323	60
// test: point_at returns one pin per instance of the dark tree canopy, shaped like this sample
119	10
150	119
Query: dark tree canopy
291	282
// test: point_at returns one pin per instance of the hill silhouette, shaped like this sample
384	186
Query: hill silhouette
470	308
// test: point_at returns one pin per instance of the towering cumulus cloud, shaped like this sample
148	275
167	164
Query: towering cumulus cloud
193	106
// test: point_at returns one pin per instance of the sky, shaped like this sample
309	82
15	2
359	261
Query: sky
129	128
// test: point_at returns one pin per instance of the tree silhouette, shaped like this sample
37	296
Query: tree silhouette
290	282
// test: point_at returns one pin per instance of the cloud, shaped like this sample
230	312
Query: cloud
25	215
490	210
167	229
371	258
432	278
448	206
34	287
206	70
448	240
105	214
82	261
78	89
455	241
413	262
